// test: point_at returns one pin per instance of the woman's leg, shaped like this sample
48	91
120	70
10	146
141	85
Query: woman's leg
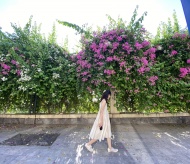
88	145
109	143
92	141
110	148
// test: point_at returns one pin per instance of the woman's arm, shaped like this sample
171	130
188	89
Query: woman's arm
103	104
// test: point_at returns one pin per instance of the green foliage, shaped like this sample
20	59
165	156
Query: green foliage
136	25
173	53
171	59
53	35
167	30
176	27
65	45
80	30
42	76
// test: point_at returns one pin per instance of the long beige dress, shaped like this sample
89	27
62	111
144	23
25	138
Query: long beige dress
96	133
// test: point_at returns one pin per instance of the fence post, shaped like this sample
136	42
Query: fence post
112	102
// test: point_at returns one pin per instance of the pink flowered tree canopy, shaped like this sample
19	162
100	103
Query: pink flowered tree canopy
114	56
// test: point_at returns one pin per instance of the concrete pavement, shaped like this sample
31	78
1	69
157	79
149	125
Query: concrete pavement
137	144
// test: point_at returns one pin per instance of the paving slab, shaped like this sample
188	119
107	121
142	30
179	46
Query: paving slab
137	144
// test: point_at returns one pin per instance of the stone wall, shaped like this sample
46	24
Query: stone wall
179	118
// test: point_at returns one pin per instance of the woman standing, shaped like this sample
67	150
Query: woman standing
101	128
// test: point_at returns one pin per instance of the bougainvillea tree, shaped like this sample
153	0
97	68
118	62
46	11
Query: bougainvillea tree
122	59
119	59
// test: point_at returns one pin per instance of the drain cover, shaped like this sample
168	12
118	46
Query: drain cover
43	139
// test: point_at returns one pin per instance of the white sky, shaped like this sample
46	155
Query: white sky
81	12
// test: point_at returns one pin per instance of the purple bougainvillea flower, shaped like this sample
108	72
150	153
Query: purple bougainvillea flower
18	72
127	70
84	73
5	73
109	72
115	58
84	79
6	67
138	45
183	72
147	69
151	50
152	56
127	47
115	45
109	59
152	80
145	43
173	52
122	64
93	46
144	61
119	38
13	62
171	46
141	70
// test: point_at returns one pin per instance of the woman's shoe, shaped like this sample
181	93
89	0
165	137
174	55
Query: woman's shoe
112	150
89	147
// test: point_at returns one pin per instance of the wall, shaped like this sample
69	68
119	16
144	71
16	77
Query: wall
118	118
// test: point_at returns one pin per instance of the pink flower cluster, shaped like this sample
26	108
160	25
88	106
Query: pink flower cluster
136	90
97	82
138	46
122	64
171	46
84	79
144	64
84	64
142	45
109	72
110	58
84	73
184	72
18	72
152	80
100	64
108	83
5	68
181	36
142	70
151	53
127	47
144	61
127	70
14	62
173	53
